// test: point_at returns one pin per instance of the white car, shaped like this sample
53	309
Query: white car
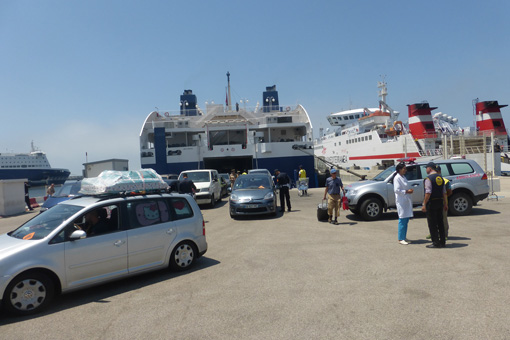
91	240
207	183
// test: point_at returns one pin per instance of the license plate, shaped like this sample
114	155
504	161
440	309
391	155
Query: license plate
248	206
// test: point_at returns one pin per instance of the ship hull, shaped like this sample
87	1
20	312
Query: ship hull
36	176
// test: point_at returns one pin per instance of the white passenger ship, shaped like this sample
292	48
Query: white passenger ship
33	166
223	137
368	137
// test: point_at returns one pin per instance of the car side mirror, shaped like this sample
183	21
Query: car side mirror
78	234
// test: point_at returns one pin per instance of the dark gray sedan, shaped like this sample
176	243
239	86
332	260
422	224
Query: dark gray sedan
253	195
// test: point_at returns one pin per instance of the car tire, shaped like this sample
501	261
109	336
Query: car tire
371	209
183	256
28	293
460	204
213	202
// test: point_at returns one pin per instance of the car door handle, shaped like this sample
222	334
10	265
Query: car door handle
119	243
415	185
170	231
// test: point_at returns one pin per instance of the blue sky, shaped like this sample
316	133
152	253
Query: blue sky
80	77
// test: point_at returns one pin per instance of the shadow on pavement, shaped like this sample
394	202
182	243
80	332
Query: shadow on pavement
103	292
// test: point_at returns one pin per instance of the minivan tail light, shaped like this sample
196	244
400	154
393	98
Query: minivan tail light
484	177
203	227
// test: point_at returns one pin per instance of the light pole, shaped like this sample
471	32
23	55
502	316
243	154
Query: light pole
244	101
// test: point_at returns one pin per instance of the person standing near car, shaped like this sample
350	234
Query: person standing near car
448	186
232	177
403	202
186	185
333	187
434	204
51	190
283	181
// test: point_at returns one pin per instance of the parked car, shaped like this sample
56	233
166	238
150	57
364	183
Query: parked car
260	171
469	185
224	186
253	195
226	177
91	240
67	191
207	183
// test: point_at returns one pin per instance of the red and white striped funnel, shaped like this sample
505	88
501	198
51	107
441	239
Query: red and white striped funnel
489	119
421	124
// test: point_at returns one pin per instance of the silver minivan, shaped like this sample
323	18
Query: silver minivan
91	240
469	185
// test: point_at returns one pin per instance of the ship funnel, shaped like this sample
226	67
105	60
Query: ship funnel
420	120
270	99
489	119
188	103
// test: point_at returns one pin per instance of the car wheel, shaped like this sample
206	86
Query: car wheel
183	256
460	204
371	209
213	202
28	293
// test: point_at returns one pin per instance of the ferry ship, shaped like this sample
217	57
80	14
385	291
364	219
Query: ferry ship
33	166
367	137
222	137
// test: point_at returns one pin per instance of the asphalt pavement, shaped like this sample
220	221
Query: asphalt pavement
292	277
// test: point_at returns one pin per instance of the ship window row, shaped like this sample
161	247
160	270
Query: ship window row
359	139
347	117
18	166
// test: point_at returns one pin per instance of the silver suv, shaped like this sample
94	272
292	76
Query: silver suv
94	239
469	185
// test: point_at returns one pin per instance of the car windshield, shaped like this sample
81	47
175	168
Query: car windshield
384	174
68	189
43	224
252	182
198	176
225	176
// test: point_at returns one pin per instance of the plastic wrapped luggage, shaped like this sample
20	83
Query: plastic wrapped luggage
322	211
111	182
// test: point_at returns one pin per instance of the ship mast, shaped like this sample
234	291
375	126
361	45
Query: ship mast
229	98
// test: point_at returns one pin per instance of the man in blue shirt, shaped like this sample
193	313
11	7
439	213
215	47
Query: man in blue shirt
333	187
283	181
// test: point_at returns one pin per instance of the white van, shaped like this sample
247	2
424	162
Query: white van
207	183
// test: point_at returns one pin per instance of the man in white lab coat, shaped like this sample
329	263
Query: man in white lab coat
403	201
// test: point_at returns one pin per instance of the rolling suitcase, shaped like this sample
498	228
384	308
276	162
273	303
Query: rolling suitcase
322	211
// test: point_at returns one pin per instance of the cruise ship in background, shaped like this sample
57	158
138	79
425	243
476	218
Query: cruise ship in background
224	137
368	137
33	166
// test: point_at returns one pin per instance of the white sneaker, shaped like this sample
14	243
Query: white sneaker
403	242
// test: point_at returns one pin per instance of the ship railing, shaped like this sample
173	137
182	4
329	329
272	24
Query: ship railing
431	152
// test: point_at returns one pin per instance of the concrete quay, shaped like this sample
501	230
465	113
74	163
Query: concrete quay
292	277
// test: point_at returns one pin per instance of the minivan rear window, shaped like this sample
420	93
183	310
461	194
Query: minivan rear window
461	168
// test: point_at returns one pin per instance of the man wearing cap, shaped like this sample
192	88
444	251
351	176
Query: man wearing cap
333	187
434	204
283	181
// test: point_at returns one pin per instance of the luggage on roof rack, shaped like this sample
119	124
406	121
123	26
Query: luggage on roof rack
114	182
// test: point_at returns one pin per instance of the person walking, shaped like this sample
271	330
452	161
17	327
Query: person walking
434	203
283	181
332	191
186	185
403	201
302	176
27	197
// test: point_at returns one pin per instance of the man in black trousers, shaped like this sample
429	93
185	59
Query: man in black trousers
434	205
283	181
